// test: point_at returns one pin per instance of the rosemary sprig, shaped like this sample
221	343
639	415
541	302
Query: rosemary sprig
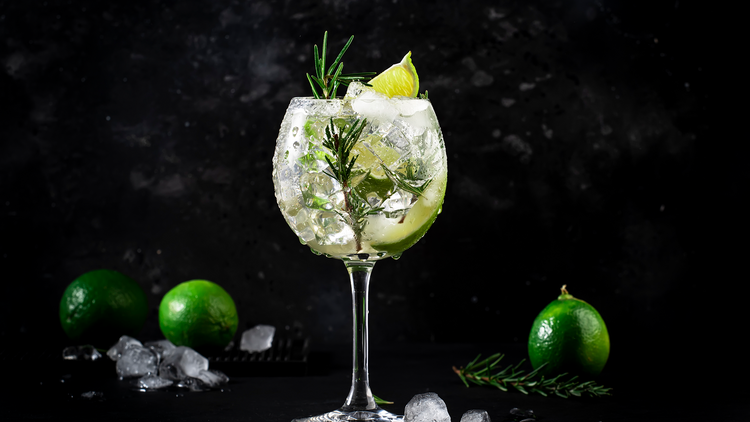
340	142
488	373
401	181
378	400
329	80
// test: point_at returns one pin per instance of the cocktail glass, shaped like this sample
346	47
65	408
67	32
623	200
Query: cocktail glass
392	193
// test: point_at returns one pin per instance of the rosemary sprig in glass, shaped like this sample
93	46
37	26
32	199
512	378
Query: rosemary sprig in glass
329	80
487	373
410	175
340	141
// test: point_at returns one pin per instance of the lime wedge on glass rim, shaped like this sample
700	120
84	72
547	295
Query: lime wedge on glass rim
399	79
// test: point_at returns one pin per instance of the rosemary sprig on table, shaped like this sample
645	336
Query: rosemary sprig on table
329	80
481	373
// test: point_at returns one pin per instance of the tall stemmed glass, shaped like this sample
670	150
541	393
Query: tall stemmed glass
359	179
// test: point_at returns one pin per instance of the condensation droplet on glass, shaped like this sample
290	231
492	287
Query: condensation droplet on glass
295	130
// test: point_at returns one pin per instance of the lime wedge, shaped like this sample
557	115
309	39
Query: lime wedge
394	236
399	79
372	153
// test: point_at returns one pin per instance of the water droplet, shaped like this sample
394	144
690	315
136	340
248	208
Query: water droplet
295	130
315	252
396	257
302	241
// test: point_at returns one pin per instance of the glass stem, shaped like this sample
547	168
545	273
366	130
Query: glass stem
360	396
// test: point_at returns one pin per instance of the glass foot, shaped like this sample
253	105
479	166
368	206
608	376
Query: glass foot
375	415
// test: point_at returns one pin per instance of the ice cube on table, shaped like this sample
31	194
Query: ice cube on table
86	352
136	361
258	338
522	413
213	378
153	382
475	415
160	347
426	407
123	343
193	384
182	362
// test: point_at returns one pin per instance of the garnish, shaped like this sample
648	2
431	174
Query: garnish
340	141
378	400
401	182
481	373
398	80
329	80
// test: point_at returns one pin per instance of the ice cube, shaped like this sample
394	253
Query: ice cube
213	378
407	108
160	347
374	106
182	362
258	338
153	382
86	352
475	415
136	361
193	384
427	407
522	413
354	89
170	371
117	350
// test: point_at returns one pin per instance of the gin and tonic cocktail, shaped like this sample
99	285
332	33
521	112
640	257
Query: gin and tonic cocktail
359	179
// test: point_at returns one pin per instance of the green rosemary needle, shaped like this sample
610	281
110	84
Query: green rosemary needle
329	80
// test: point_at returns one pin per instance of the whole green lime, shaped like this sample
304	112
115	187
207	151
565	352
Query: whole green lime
198	313
102	305
570	336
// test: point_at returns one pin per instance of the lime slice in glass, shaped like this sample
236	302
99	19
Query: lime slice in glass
393	235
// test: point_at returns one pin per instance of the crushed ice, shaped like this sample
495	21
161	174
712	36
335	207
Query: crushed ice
154	365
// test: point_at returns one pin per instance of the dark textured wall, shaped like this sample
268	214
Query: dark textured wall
139	138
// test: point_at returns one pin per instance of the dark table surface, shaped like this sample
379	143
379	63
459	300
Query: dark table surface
398	372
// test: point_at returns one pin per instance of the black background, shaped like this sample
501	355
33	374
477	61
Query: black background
139	137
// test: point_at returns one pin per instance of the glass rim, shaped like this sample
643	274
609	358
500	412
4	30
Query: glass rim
341	99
